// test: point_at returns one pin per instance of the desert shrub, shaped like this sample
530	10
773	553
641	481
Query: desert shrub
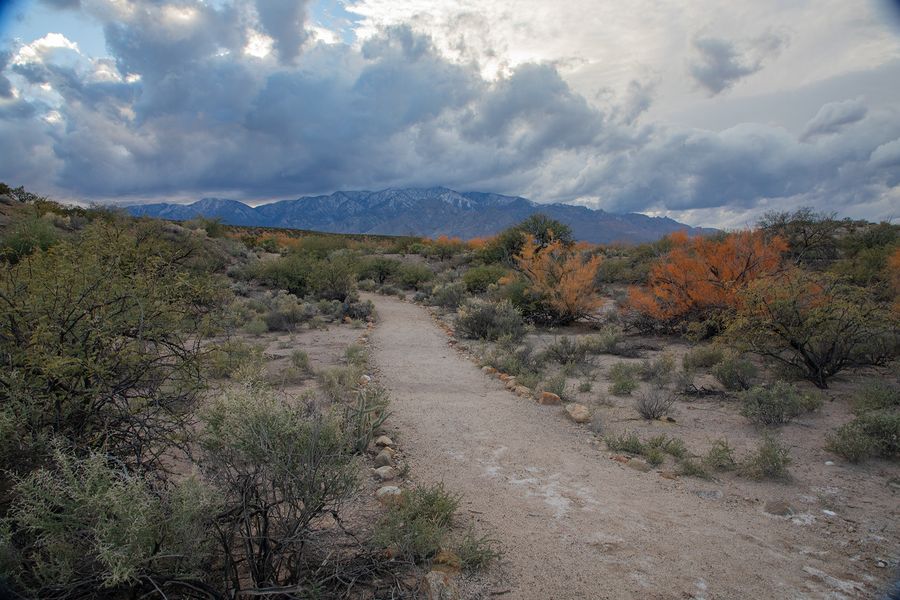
701	278
562	279
654	455
689	467
417	526
356	355
256	326
720	456
811	237
529	379
654	403
607	341
101	341
770	461
292	273
414	275
480	319
509	357
300	360
566	350
815	324
448	295
852	442
276	472
660	370
25	236
702	357
876	395
86	524
361	311
777	404
333	278
478	279
287	313
367	285
670	445
625	442
377	269
623	378
556	385
476	552
734	372
585	386
223	359
337	382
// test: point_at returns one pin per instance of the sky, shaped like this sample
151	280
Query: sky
709	112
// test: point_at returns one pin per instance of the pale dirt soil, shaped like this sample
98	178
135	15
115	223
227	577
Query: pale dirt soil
575	524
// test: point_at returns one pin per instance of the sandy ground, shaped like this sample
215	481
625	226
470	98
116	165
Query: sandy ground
575	524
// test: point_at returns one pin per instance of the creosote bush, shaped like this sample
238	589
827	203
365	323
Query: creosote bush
777	404
482	319
623	378
734	372
702	357
720	456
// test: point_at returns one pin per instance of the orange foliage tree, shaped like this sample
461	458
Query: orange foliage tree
562	278
703	277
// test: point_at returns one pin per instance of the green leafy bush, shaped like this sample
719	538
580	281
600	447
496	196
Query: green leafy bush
478	279
449	295
565	350
414	275
876	395
625	442
476	552
734	372
623	378
481	319
702	357
777	404
720	456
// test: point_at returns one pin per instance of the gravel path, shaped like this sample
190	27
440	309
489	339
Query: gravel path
572	522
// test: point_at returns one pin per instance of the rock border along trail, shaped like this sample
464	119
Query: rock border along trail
573	523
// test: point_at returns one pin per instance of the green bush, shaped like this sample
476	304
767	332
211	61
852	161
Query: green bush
874	433
556	385
365	417
378	269
690	468
734	372
720	457
625	442
654	403
660	370
417	526
624	378
476	552
509	357
478	279
777	404
480	319
607	341
702	357
223	359
411	276
448	295
770	461
565	350
852	442
26	236
876	395
670	445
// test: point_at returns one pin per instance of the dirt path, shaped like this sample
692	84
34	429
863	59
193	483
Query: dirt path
572	522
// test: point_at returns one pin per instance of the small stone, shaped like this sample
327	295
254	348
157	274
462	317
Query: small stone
385	473
504	376
522	391
348	320
389	495
364	380
709	494
384	459
778	508
440	586
829	513
511	383
549	398
619	458
638	465
668	475
829	463
880	564
384	440
578	412
488	370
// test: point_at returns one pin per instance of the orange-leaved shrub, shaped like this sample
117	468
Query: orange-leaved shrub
702	278
562	277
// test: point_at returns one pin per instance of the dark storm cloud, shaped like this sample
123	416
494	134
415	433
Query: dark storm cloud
5	85
718	63
180	109
832	117
284	21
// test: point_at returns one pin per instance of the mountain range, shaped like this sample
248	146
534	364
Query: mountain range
427	212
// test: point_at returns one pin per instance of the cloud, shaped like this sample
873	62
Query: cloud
285	21
832	117
181	107
6	90
719	63
63	4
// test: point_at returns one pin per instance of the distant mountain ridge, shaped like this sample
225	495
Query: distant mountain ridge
422	212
